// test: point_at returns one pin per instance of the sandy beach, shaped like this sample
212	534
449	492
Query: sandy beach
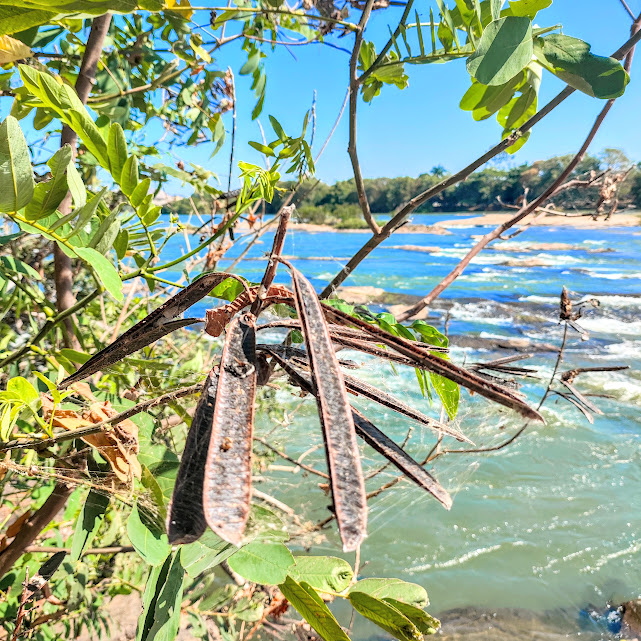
491	219
583	222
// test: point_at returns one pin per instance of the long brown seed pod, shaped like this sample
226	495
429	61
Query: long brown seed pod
348	486
361	388
158	324
227	484
438	365
396	455
186	518
400	459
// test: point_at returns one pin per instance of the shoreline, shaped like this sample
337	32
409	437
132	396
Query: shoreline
490	219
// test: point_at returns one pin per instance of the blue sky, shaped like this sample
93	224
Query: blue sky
406	133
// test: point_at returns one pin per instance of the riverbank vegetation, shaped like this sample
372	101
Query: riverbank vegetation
490	189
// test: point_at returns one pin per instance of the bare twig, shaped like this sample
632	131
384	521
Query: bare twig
99	427
353	103
405	210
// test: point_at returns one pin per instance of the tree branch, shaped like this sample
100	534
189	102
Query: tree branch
405	210
32	528
353	104
524	212
63	271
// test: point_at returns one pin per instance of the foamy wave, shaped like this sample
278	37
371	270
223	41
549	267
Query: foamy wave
613	275
464	558
630	550
611	326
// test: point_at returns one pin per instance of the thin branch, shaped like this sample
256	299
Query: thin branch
353	104
284	456
627	8
405	210
81	432
32	528
117	549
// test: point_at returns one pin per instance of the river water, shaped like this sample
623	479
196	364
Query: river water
549	525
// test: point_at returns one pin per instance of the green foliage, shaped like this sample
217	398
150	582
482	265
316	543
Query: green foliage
157	70
17	186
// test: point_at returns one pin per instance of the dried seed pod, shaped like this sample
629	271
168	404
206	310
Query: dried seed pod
186	518
437	365
158	324
360	388
377	440
348	486
400	459
227	482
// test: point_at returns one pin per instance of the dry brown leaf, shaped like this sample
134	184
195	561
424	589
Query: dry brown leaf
119	445
16	526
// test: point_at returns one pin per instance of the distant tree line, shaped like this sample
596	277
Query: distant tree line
491	189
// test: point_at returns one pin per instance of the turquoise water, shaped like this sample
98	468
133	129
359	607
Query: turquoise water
550	523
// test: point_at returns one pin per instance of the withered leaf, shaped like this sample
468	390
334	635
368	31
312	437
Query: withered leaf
438	365
346	475
119	445
159	323
227	483
186	518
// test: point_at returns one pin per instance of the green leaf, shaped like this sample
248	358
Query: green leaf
16	174
129	176
48	195
153	586
528	8
229	289
140	192
430	334
89	520
145	535
448	391
11	264
312	608
121	243
76	186
167	610
324	573
160	617
570	59
385	616
422	620
495	8
19	18
20	389
252	63
208	552
409	593
85	214
264	149
102	241
80	121
104	269
117	150
505	48
264	563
